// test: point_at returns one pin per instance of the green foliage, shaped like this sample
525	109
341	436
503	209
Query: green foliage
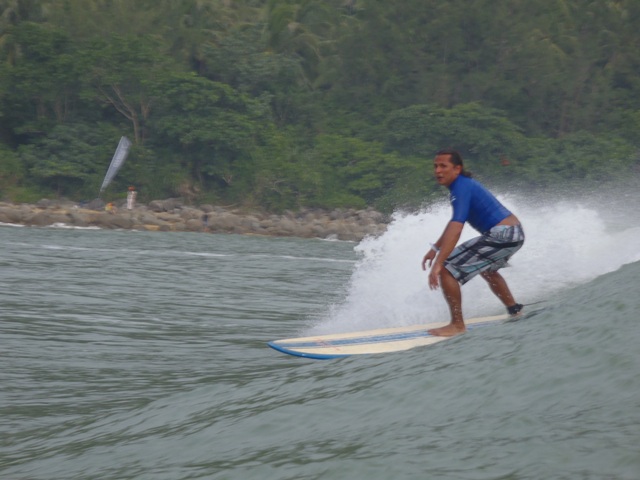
210	126
413	187
335	171
124	74
46	74
324	103
71	160
481	133
153	176
11	170
579	158
353	170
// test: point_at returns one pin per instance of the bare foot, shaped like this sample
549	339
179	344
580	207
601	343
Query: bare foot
450	330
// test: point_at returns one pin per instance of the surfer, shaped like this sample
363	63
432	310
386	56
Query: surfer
501	237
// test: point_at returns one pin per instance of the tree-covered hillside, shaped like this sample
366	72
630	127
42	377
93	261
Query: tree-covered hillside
317	103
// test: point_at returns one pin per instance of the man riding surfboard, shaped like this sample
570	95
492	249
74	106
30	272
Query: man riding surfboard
501	237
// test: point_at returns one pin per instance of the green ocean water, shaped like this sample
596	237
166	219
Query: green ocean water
138	355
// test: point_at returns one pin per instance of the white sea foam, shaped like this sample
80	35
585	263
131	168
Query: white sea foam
569	242
71	227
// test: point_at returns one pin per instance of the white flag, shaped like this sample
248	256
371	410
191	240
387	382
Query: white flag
116	162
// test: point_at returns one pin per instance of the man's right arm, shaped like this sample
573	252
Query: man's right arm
448	242
445	244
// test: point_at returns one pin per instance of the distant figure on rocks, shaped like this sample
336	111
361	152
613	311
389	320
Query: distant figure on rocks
131	198
110	208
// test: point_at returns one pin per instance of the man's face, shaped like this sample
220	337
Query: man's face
445	171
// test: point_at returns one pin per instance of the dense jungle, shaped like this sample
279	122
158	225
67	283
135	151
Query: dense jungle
284	104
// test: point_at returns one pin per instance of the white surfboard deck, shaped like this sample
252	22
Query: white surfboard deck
368	342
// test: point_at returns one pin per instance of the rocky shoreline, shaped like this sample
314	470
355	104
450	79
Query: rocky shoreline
172	215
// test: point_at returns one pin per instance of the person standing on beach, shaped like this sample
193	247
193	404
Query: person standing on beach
131	198
501	236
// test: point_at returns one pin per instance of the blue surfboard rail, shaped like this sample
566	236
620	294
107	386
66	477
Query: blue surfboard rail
314	356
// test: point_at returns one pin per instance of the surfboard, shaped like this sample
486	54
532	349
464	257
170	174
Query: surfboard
385	340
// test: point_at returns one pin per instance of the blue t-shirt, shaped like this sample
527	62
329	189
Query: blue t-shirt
473	203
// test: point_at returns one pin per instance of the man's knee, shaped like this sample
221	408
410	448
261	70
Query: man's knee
490	276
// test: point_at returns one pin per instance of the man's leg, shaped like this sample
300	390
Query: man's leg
453	296
499	287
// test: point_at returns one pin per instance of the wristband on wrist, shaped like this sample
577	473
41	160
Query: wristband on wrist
434	248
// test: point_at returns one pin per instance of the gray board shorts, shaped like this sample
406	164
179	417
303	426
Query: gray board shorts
487	253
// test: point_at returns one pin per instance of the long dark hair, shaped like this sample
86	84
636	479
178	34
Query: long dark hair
456	159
